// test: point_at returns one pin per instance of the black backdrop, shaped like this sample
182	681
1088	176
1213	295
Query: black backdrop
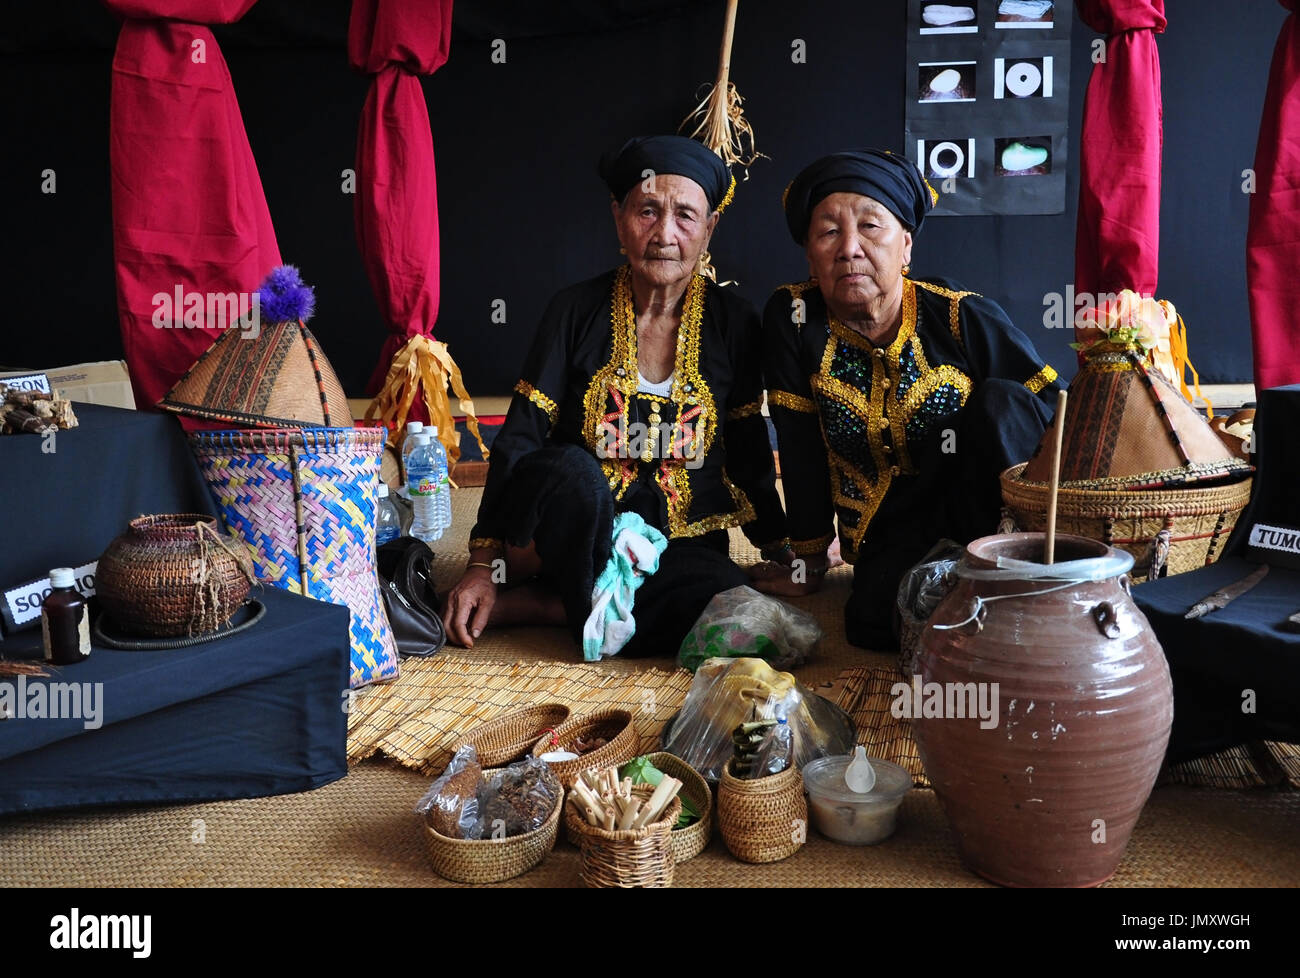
522	210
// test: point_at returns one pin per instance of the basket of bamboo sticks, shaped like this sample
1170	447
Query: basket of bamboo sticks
614	727
508	737
625	831
688	840
763	820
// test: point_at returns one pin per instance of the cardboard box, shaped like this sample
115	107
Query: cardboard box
105	382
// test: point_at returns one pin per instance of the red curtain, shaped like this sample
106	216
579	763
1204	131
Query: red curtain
396	41
188	207
1273	241
1117	238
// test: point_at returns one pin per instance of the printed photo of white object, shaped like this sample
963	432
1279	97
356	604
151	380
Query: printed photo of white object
948	18
1035	15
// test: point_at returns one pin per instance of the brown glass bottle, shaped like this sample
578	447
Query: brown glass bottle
65	620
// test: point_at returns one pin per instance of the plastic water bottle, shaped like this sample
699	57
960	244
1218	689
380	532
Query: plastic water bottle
413	428
443	498
388	523
422	484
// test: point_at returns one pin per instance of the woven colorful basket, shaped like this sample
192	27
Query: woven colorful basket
304	499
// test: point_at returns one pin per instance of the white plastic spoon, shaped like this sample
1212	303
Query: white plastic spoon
860	776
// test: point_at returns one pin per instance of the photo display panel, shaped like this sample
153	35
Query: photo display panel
988	107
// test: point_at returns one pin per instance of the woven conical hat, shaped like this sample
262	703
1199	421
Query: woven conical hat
278	379
1126	427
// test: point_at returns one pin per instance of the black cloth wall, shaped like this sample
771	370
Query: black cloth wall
522	210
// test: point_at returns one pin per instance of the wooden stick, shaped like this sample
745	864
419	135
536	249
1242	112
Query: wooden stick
1058	434
301	520
724	56
660	800
630	814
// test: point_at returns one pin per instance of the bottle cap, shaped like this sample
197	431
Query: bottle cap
433	430
63	577
414	427
422	439
383	490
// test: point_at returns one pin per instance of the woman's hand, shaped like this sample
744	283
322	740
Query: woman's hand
469	606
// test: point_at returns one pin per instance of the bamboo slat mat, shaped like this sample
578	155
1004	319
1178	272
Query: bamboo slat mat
418	720
865	694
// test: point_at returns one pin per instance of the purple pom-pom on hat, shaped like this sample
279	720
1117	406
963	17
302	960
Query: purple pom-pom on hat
284	298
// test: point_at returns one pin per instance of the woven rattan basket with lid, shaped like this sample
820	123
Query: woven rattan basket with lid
633	857
508	737
173	574
614	725
763	820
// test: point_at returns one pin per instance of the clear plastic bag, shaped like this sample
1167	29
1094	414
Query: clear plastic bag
919	593
451	804
742	622
516	800
726	692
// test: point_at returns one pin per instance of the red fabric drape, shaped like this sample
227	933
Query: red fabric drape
1117	238
1273	241
188	207
397	191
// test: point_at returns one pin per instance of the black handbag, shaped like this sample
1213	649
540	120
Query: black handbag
406	581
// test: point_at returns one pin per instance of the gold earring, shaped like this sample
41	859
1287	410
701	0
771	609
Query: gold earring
906	269
622	250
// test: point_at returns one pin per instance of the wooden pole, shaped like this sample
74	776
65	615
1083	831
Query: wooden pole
1058	434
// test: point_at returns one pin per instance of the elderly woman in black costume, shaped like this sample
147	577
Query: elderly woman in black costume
897	401
641	393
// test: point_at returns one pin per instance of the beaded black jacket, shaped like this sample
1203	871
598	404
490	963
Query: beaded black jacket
850	417
703	448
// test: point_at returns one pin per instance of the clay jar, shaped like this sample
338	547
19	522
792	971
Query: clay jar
1045	789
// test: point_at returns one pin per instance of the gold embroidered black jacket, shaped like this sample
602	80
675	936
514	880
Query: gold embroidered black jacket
850	417
706	442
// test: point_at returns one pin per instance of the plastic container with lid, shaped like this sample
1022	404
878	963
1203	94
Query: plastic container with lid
850	817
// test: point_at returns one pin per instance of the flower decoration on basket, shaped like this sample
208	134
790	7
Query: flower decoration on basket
1133	323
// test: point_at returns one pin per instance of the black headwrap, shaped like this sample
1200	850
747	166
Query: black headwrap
878	174
623	168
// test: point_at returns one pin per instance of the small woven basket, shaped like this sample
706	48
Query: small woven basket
1199	519
633	857
492	860
763	820
614	725
689	841
508	738
173	574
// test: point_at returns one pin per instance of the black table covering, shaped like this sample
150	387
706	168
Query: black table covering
1236	671
63	508
258	713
